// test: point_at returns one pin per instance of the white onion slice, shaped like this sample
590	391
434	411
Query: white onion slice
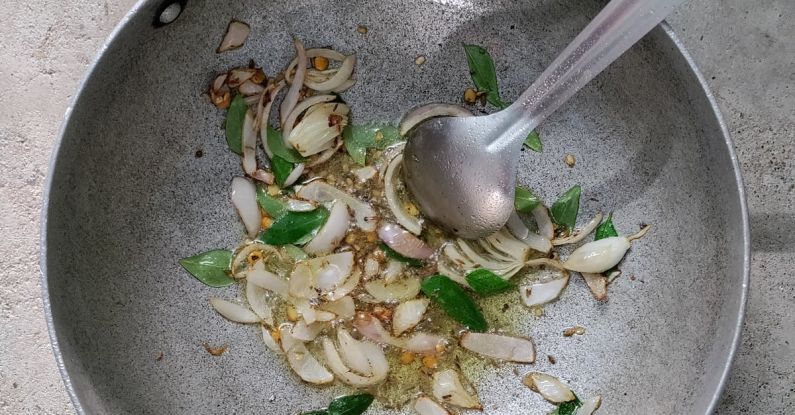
249	88
313	53
297	205
233	312
543	292
350	284
582	233
307	367
427	406
295	89
405	220
421	343
249	144
319	191
590	405
268	281
235	36
344	308
371	267
256	298
393	270
316	131
447	387
512	349
425	112
238	76
376	359
597	283
287	341
289	123
244	198
403	289
353	354
343	74
267	338
598	256
425	343
325	273
408	314
365	173
294	175
550	387
332	232
521	232
265	116
404	242
544	222
344	86
307	332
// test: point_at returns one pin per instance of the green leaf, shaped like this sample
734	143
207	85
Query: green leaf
485	282
281	169
294	227
350	405
211	267
484	76
525	201
564	210
360	138
234	124
319	412
455	302
295	252
533	141
277	147
605	229
274	207
569	407
391	253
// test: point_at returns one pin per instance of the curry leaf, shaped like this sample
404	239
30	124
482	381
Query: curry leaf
525	201
455	302
346	405
605	229
211	267
277	147
234	124
274	207
485	282
564	210
281	169
568	407
294	227
533	141
391	253
360	138
484	76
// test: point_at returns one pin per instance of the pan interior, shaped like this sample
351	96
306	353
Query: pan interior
129	197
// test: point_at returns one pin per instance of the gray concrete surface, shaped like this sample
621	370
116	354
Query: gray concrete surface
745	49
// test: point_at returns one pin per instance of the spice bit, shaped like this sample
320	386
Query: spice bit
430	362
470	96
159	356
578	330
266	222
292	314
570	160
215	351
406	357
362	29
419	60
320	63
552	359
411	209
273	190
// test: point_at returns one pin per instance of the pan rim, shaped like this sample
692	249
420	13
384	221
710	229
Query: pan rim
142	4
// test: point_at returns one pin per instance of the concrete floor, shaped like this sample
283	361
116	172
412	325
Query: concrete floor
745	49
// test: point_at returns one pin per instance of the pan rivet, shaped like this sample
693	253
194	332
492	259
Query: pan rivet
170	13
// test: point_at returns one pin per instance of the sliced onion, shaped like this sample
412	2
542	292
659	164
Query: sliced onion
544	222
365	173
307	367
405	220
257	299
236	35
344	86
244	198
267	338
286	339
353	354
375	357
249	88
507	244
268	281
421	343
294	175
582	233
427	406
403	289
408	314
319	191
590	405
350	284
332	232
316	131
550	387
543	292
425	112
249	144
233	312
447	388
597	283
326	155
344	308
330	54
295	89
393	270
512	349
532	239
343	74
305	309
325	273
289	123
265	116
297	205
242	254
425	343
598	256
371	267
404	242
218	83
238	76
307	332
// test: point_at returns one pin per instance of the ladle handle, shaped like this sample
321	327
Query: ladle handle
614	30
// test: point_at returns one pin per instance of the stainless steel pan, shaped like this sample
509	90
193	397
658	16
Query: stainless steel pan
127	196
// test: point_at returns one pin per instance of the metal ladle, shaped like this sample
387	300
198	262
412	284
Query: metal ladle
462	170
